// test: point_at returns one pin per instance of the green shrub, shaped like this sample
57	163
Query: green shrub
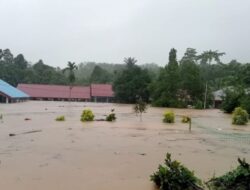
237	179
240	116
231	100
87	115
60	118
140	107
198	105
111	116
245	103
185	119
169	117
175	176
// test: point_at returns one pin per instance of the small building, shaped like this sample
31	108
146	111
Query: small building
101	93
56	92
220	94
218	98
10	94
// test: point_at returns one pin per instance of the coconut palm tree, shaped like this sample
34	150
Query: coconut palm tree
130	61
71	67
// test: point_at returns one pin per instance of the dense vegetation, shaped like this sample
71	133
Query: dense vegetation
238	178
173	175
187	81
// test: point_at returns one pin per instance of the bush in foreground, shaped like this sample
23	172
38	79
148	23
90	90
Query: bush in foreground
240	116
175	176
87	115
169	117
237	179
60	118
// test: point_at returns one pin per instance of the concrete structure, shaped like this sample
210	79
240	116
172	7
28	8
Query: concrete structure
10	94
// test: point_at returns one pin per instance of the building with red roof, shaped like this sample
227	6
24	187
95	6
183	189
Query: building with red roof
56	92
94	92
101	92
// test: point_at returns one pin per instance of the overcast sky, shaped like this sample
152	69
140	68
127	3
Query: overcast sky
59	31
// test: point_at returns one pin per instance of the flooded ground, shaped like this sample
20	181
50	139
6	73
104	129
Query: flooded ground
101	155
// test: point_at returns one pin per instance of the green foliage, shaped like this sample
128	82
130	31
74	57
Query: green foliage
16	70
191	82
70	69
100	75
185	119
240	116
165	90
208	56
169	117
131	82
60	118
111	116
178	84
174	176
237	179
198	105
245	103
140	107
231	100
87	115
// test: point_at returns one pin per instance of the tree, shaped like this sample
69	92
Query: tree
140	107
206	59
131	82
166	88
208	56
190	55
232	98
190	82
20	62
99	75
71	75
130	61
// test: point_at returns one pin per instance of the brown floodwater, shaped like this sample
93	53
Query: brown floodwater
99	155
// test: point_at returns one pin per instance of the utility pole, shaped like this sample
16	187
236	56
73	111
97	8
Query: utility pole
205	99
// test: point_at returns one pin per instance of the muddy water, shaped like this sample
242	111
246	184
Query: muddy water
102	155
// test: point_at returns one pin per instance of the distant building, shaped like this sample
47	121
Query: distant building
218	98
220	94
94	92
56	92
10	94
101	93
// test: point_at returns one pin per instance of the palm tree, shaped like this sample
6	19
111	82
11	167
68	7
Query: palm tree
130	61
208	56
71	75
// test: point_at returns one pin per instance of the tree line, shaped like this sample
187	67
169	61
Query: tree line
187	81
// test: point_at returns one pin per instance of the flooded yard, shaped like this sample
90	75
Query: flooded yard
100	155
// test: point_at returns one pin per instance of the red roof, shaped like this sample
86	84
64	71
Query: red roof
55	91
101	90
